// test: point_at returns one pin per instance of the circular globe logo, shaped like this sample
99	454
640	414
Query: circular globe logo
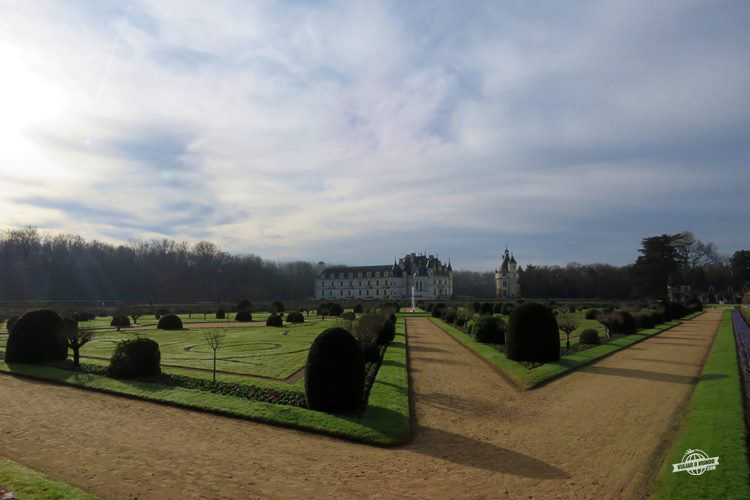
695	456
696	462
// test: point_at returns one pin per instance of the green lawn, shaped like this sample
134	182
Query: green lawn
26	483
526	378
714	424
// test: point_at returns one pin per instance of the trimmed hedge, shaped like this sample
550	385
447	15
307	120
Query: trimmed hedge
277	307
243	315
135	358
335	310
10	322
532	334
244	304
334	372
120	321
507	308
589	336
295	317
37	336
488	330
169	322
274	320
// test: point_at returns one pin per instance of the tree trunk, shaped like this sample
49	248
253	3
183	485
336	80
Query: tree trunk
76	358
214	365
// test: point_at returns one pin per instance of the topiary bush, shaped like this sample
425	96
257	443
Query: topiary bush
485	309
120	321
358	309
348	316
592	314
135	358
589	336
10	322
159	314
439	310
674	310
449	316
274	320
84	316
387	332
221	314
488	330
244	304
37	336
532	334
497	308
169	322
335	310
694	305
644	320
295	317
624	323
243	315
334	372
507	308
657	317
277	307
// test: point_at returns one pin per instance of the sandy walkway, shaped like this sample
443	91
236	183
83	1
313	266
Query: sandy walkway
594	433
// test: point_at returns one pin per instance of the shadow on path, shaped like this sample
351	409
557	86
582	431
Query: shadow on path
466	451
642	374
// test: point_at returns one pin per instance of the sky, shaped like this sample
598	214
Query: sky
355	132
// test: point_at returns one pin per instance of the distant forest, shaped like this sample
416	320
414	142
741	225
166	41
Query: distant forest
40	267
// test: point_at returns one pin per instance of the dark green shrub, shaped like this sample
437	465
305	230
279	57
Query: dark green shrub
37	336
475	307
277	307
392	318
489	330
135	358
394	306
449	316
507	308
387	333
694	305
10	322
120	321
274	320
335	310
657	317
485	309
295	317
674	310
532	334
358	309
169	322
592	314
497	308
243	315
244	304
644	320
624	323
83	316
589	336
439	310
348	316
460	320
334	372
221	314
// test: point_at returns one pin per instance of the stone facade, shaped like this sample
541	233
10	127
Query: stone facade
431	279
507	279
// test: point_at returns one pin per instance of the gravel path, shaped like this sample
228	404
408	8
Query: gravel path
599	432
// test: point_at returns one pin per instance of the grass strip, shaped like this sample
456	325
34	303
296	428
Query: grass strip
714	424
385	422
27	483
526	378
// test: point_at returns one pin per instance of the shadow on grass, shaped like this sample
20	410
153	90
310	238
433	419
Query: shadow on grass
470	452
388	362
647	375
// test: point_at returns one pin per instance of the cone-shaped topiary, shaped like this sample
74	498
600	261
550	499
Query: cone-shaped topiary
243	315
170	322
135	358
274	320
334	372
532	334
488	330
37	336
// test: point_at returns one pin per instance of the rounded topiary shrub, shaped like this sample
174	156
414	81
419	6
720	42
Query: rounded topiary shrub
485	309
170	322
592	314
244	304
295	317
277	306
335	310
489	330
657	317
387	333
449	316
334	372
135	358
120	321
10	322
532	334
221	314
243	315
159	313
348	316
274	320
644	321
624	323
694	305
507	308
674	310
37	336
438	310
497	308
589	336
358	309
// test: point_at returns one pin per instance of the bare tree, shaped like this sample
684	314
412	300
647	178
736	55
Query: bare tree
215	341
567	324
76	338
135	317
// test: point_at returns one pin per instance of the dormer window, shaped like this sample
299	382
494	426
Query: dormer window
351	275
359	275
369	274
341	275
385	274
377	274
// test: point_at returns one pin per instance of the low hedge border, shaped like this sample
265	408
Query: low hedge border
524	378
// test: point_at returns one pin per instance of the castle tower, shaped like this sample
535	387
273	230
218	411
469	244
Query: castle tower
507	279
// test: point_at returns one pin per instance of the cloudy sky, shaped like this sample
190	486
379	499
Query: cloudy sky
358	131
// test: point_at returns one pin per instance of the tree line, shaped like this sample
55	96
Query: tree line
40	267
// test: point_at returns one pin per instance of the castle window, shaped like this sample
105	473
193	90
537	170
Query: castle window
385	274
359	275
330	293
377	292
351	275
368	292
342	293
377	282
341	275
377	274
369	274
